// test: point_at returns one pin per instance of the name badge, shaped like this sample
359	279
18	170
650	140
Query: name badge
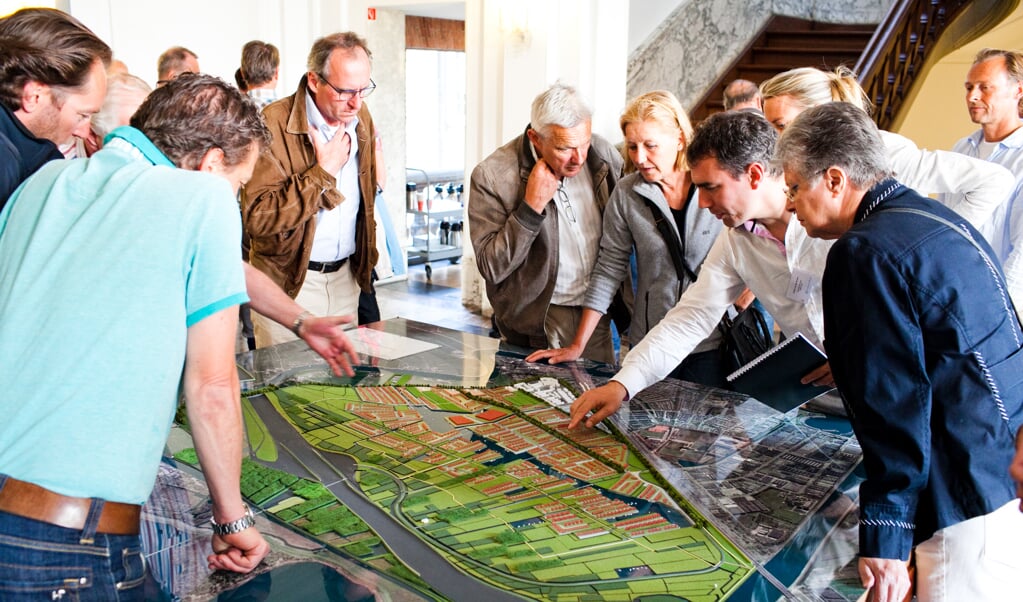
801	285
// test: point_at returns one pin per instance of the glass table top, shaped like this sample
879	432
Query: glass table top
685	482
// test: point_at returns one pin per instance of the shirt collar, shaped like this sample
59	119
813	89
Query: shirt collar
756	229
875	197
138	141
262	93
1013	140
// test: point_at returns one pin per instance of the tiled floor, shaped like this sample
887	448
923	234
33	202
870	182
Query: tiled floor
435	301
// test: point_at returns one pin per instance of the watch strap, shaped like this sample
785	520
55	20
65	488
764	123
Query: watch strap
296	326
235	526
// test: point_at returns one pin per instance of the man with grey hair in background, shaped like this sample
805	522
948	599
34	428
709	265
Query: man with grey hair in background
927	351
535	217
125	94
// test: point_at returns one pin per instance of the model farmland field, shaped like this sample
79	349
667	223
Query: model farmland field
493	481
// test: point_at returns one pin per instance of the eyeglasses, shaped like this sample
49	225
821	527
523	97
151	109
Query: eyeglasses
793	190
344	95
563	197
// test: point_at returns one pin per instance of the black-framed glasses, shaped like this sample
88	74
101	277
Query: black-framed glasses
344	95
563	197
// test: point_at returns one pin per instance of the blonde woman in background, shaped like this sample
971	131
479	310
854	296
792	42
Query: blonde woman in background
654	209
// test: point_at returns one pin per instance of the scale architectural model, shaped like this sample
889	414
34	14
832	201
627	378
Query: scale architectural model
460	480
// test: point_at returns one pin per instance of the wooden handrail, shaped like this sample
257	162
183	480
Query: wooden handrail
896	53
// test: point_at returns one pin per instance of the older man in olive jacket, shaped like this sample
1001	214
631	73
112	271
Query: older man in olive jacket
535	210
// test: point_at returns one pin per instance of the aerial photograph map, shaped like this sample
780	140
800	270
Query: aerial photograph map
457	478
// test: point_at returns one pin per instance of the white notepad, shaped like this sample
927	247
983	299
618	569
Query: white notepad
384	345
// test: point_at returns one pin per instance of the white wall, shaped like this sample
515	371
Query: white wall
140	30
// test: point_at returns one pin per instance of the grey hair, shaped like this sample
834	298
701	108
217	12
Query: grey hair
560	106
121	90
834	134
319	54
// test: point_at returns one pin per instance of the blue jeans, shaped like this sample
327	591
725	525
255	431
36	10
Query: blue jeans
40	561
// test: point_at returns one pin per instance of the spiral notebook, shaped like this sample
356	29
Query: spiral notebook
773	376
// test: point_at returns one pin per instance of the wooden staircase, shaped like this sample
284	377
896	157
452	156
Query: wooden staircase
786	43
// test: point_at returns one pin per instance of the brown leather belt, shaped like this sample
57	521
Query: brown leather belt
38	503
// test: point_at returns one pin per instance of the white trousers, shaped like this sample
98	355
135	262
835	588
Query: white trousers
977	560
334	294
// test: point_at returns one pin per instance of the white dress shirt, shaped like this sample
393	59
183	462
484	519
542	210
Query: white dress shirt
335	229
787	283
1004	229
579	228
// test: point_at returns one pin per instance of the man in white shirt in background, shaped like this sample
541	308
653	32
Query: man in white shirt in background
994	98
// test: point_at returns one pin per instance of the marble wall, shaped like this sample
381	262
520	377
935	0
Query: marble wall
698	42
386	38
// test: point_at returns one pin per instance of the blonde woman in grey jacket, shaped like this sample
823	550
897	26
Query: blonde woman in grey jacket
655	211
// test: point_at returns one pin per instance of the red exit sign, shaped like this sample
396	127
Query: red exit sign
371	14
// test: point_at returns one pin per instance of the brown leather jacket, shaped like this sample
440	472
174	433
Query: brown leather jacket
288	188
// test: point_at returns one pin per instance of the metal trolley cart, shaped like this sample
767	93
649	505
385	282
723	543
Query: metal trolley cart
436	220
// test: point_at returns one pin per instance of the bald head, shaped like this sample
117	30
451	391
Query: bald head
743	94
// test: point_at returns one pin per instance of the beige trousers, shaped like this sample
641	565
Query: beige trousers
334	294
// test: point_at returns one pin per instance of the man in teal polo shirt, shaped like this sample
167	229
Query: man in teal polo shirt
120	283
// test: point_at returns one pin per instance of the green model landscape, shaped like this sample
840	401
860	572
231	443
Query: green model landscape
494	480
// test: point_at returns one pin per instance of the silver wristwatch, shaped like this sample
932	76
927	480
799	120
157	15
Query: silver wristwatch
235	526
